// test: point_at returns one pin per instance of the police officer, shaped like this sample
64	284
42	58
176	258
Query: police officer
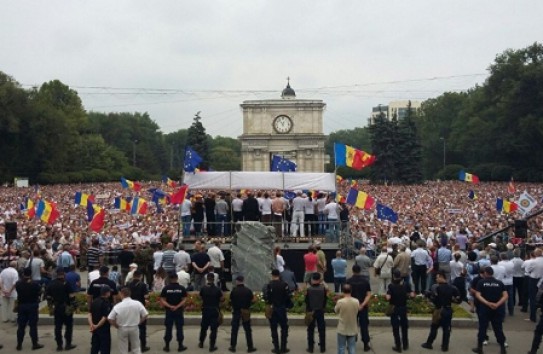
140	292
241	298
211	297
277	294
59	294
315	302
28	295
361	290
93	292
99	325
173	298
538	332
442	295
492	296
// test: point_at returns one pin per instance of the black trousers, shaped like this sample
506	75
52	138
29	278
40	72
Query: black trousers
210	320
27	315
494	317
518	286
399	320
61	319
538	333
419	277
236	319
174	319
318	321
279	318
445	324
101	340
364	322
143	334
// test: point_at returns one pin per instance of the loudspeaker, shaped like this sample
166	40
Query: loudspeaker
11	231
521	228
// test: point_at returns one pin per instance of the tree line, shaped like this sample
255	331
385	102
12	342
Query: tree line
493	130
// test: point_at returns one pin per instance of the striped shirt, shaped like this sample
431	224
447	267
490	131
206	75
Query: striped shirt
167	260
93	256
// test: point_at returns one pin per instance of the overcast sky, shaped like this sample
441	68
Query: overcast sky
121	56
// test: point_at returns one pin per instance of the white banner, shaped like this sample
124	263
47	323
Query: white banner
526	203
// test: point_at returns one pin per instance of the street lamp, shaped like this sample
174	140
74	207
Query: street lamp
444	151
134	142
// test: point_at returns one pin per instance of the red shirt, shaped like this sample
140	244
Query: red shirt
310	260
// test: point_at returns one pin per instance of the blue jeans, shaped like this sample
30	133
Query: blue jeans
224	228
338	282
186	224
348	342
322	224
333	232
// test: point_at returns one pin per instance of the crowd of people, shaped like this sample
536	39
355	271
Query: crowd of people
432	250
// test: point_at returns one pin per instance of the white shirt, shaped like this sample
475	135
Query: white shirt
309	206
279	263
237	204
184	278
499	272
298	204
185	207
216	256
456	269
331	210
128	313
535	268
8	278
181	259
509	268
266	206
157	256
95	274
518	272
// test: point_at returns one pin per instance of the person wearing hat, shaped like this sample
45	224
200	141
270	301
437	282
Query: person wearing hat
397	294
98	322
173	297
140	292
60	294
126	316
315	301
93	291
132	268
241	298
277	294
211	297
442	295
28	297
492	296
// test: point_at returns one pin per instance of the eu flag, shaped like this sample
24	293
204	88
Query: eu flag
192	159
386	213
280	164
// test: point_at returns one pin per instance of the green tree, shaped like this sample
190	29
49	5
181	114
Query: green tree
383	134
198	140
225	154
408	158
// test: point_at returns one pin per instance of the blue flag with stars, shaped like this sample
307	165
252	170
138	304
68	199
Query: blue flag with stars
192	159
386	213
280	164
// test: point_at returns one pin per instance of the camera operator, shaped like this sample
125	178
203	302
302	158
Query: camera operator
442	295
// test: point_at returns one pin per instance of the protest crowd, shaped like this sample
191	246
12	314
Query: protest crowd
429	248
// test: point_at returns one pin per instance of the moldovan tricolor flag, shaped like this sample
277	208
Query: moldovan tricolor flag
526	203
139	206
46	211
506	206
468	177
360	199
126	183
96	216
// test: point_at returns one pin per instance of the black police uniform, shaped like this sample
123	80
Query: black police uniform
101	337
28	295
399	292
211	298
360	287
277	294
138	291
58	292
241	297
538	332
442	295
491	290
315	301
173	294
97	284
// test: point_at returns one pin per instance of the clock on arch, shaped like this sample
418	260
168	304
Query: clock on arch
282	124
